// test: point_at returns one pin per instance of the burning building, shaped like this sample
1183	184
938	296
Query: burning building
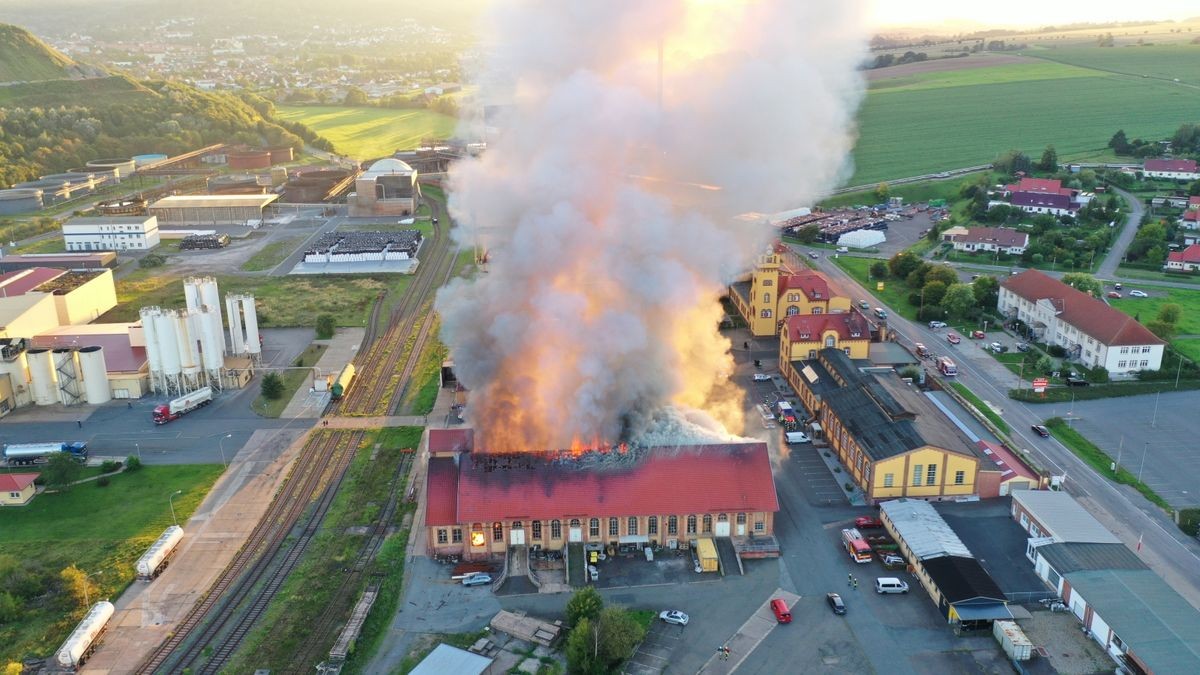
481	504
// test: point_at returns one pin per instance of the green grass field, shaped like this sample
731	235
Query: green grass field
94	528
1145	309
272	254
1161	61
365	133
292	381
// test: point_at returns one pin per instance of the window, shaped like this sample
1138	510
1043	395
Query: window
812	354
652	525
768	282
1124	350
766	314
917	474
1145	350
931	475
478	538
497	532
1145	364
1121	364
831	341
456	535
741	519
441	536
537	530
960	477
672	525
556	529
614	527
691	524
575	523
793	310
722	518
707	523
816	310
759	526
594	528
766	298
631	526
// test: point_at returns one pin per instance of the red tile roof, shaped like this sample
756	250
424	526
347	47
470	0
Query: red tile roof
1192	215
814	284
450	440
1009	464
119	355
846	324
1177	165
1081	310
21	282
441	490
687	479
1036	185
1194	202
1000	236
1191	254
16	482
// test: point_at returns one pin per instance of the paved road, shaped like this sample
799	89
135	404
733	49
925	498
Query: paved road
1116	253
1167	550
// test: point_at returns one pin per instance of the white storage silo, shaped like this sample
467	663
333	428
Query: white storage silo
251	319
168	348
70	382
153	349
43	380
95	375
233	310
212	353
212	299
191	293
189	355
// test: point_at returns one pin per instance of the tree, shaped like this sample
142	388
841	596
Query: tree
10	609
132	463
1170	313
61	470
1044	365
76	585
1012	162
881	193
355	96
903	263
586	603
1194	189
987	291
932	293
325	326
959	300
1083	282
599	646
879	270
272	386
1119	143
943	273
1049	161
583	649
1162	329
808	233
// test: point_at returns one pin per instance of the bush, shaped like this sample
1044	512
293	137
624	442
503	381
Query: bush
325	326
109	466
132	463
931	313
1189	521
272	386
103	481
152	260
1056	351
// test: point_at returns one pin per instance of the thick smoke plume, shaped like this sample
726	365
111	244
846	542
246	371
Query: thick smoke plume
607	203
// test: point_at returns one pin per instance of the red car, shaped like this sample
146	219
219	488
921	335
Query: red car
867	522
780	609
978	334
1114	294
952	338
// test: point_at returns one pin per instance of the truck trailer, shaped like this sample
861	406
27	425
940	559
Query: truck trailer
183	405
39	453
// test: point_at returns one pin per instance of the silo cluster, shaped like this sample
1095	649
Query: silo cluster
68	375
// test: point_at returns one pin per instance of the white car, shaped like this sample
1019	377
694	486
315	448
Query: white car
1138	294
937	324
674	616
762	377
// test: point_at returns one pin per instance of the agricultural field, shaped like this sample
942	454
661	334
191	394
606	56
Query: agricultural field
366	133
925	122
1166	62
97	529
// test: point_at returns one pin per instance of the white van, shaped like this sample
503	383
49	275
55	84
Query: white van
843	249
890	585
793	437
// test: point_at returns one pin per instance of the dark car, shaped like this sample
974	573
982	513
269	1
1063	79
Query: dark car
1041	431
835	603
1077	382
868	522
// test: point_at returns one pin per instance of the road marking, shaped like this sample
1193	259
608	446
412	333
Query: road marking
749	636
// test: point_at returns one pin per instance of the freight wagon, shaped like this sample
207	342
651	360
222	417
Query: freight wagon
158	556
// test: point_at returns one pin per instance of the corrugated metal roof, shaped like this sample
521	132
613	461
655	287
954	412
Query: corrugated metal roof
1062	518
1075	557
1157	625
963	580
923	530
447	660
177	201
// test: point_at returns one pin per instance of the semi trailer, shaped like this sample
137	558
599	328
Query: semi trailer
183	405
39	453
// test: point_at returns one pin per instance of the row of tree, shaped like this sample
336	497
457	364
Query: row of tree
935	289
601	638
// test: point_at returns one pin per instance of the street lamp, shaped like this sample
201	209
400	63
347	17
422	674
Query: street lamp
86	602
170	502
1141	466
139	451
221	444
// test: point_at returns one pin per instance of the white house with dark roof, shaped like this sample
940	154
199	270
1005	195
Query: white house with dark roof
1091	331
1172	169
990	239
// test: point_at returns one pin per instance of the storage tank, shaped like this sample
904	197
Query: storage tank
140	161
43	380
20	200
70	383
95	375
248	159
191	293
211	340
168	344
233	311
149	317
251	318
122	167
280	154
235	184
189	356
212	299
77	647
149	565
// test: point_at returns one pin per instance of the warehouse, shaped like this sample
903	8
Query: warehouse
79	296
480	504
177	210
1050	516
73	261
111	233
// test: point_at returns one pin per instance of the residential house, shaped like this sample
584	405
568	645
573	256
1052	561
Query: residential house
779	288
1191	214
1042	195
1091	331
1171	169
1186	260
990	239
803	335
17	489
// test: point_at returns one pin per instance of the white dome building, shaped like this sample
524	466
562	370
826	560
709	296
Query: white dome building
388	188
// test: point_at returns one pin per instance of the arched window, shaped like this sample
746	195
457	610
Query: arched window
830	341
766	298
556	529
537	530
632	525
672	525
574	522
652	525
766	314
741	519
793	310
691	525
614	527
707	523
722	518
816	310
497	531
516	525
478	538
594	528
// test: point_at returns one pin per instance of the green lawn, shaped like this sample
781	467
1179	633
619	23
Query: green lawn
932	122
272	254
894	293
982	407
912	193
292	381
366	133
1147	308
52	244
95	528
1161	61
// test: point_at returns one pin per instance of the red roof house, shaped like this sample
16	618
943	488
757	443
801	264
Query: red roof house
1088	315
17	489
1184	166
1186	260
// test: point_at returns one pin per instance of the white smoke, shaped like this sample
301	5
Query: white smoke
608	216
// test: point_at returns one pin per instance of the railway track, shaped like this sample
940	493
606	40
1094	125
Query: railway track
326	627
316	465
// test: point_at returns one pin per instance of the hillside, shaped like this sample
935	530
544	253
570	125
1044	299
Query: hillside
24	58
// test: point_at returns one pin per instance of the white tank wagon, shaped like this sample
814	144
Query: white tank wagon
86	637
156	558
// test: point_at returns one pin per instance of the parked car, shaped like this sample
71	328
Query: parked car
978	335
1114	294
1022	346
995	346
780	609
1041	430
814	255
835	603
1077	382
868	522
1117	286
953	338
890	585
937	324
477	579
673	616
891	559
1138	294
762	377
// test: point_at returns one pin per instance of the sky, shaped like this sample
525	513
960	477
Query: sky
1027	12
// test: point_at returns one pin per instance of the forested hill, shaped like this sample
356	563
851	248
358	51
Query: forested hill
24	58
55	125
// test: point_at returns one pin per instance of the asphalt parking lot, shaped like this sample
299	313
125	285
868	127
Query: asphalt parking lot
654	654
820	487
668	567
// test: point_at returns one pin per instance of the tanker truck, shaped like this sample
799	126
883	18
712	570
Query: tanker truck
183	405
39	453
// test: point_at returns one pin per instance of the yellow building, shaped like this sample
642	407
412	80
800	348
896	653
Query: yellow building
892	440
779	288
17	489
803	335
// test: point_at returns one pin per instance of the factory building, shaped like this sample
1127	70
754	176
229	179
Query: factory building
480	504
781	287
179	211
75	261
111	233
388	188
